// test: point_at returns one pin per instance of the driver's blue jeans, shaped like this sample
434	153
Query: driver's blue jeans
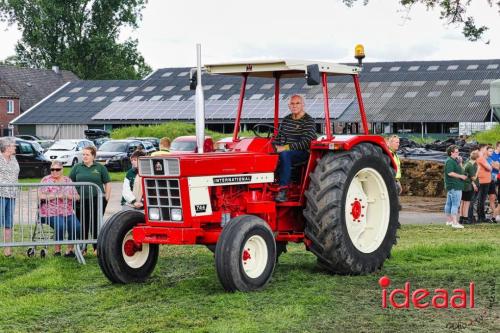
287	159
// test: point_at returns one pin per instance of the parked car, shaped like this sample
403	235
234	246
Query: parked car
148	147
28	137
115	154
98	142
46	144
187	144
43	142
154	141
69	152
32	163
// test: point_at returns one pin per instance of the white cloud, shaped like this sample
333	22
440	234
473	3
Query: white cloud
316	29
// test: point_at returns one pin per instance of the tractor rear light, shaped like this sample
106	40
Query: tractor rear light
176	214
154	213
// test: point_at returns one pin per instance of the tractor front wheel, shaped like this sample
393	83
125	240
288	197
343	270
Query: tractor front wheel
352	210
245	254
121	259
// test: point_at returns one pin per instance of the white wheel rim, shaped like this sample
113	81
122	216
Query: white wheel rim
254	256
367	210
139	258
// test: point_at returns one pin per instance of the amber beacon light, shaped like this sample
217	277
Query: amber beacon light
359	53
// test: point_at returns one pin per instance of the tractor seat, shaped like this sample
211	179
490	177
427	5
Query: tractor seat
298	170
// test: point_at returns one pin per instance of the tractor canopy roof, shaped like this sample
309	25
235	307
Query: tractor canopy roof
287	68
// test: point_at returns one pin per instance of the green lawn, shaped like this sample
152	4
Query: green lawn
183	294
116	176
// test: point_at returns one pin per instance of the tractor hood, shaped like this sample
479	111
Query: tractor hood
208	164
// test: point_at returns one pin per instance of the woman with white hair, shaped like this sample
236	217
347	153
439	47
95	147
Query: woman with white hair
56	209
9	174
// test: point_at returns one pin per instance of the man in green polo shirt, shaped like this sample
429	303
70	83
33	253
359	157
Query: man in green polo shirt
454	183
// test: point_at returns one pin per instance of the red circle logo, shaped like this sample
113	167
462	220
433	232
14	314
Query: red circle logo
384	282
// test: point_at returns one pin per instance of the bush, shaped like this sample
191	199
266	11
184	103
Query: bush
490	136
171	129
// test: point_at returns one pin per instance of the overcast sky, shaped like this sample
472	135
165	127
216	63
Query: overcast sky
313	29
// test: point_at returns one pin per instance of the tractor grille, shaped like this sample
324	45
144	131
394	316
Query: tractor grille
163	194
159	167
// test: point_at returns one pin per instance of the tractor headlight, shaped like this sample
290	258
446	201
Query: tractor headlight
154	213
176	214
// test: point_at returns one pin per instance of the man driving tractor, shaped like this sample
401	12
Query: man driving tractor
292	142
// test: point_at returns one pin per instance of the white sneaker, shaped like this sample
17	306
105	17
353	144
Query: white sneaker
498	218
457	226
449	223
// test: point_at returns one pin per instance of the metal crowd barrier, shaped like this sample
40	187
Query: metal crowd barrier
44	215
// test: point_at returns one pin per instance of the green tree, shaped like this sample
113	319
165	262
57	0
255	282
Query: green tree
451	11
78	35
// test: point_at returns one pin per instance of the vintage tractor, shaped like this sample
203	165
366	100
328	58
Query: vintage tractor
342	204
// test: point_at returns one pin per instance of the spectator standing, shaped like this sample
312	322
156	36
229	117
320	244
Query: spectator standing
393	144
495	157
470	187
92	172
484	176
164	147
56	208
492	191
131	200
9	174
454	184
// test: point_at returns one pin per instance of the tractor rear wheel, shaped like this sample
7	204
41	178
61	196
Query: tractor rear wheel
352	210
121	259
245	254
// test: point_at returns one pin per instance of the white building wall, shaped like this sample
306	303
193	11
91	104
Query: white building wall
64	131
471	128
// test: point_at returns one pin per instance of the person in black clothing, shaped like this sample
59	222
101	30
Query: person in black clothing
292	142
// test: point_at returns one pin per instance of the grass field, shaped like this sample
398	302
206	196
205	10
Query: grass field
184	295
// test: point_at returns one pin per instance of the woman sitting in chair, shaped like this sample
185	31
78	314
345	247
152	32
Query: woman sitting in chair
56	207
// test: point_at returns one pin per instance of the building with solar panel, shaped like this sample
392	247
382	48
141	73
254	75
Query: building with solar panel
417	97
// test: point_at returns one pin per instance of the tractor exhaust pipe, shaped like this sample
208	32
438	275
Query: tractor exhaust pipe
200	105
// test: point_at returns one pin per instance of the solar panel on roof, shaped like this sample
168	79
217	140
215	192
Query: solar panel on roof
214	109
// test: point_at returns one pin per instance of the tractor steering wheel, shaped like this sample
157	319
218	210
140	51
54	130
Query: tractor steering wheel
270	130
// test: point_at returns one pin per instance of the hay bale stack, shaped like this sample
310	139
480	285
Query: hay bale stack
422	178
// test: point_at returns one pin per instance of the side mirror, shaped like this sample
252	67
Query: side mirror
312	75
193	79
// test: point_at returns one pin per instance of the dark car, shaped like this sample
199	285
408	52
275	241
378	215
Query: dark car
32	162
187	144
115	154
154	141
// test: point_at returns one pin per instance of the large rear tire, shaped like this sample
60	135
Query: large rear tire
245	254
352	210
120	258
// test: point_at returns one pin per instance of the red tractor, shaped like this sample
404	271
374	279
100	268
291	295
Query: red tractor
342	204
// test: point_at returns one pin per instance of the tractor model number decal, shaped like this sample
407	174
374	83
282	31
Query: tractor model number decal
237	179
200	208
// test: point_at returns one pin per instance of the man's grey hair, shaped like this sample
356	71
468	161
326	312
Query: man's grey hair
302	99
5	142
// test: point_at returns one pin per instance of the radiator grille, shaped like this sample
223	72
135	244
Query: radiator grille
163	194
159	167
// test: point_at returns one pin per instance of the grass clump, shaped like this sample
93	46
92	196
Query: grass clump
490	136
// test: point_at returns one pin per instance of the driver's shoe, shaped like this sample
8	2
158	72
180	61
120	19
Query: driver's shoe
281	196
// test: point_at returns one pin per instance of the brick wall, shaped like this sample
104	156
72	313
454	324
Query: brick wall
5	117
